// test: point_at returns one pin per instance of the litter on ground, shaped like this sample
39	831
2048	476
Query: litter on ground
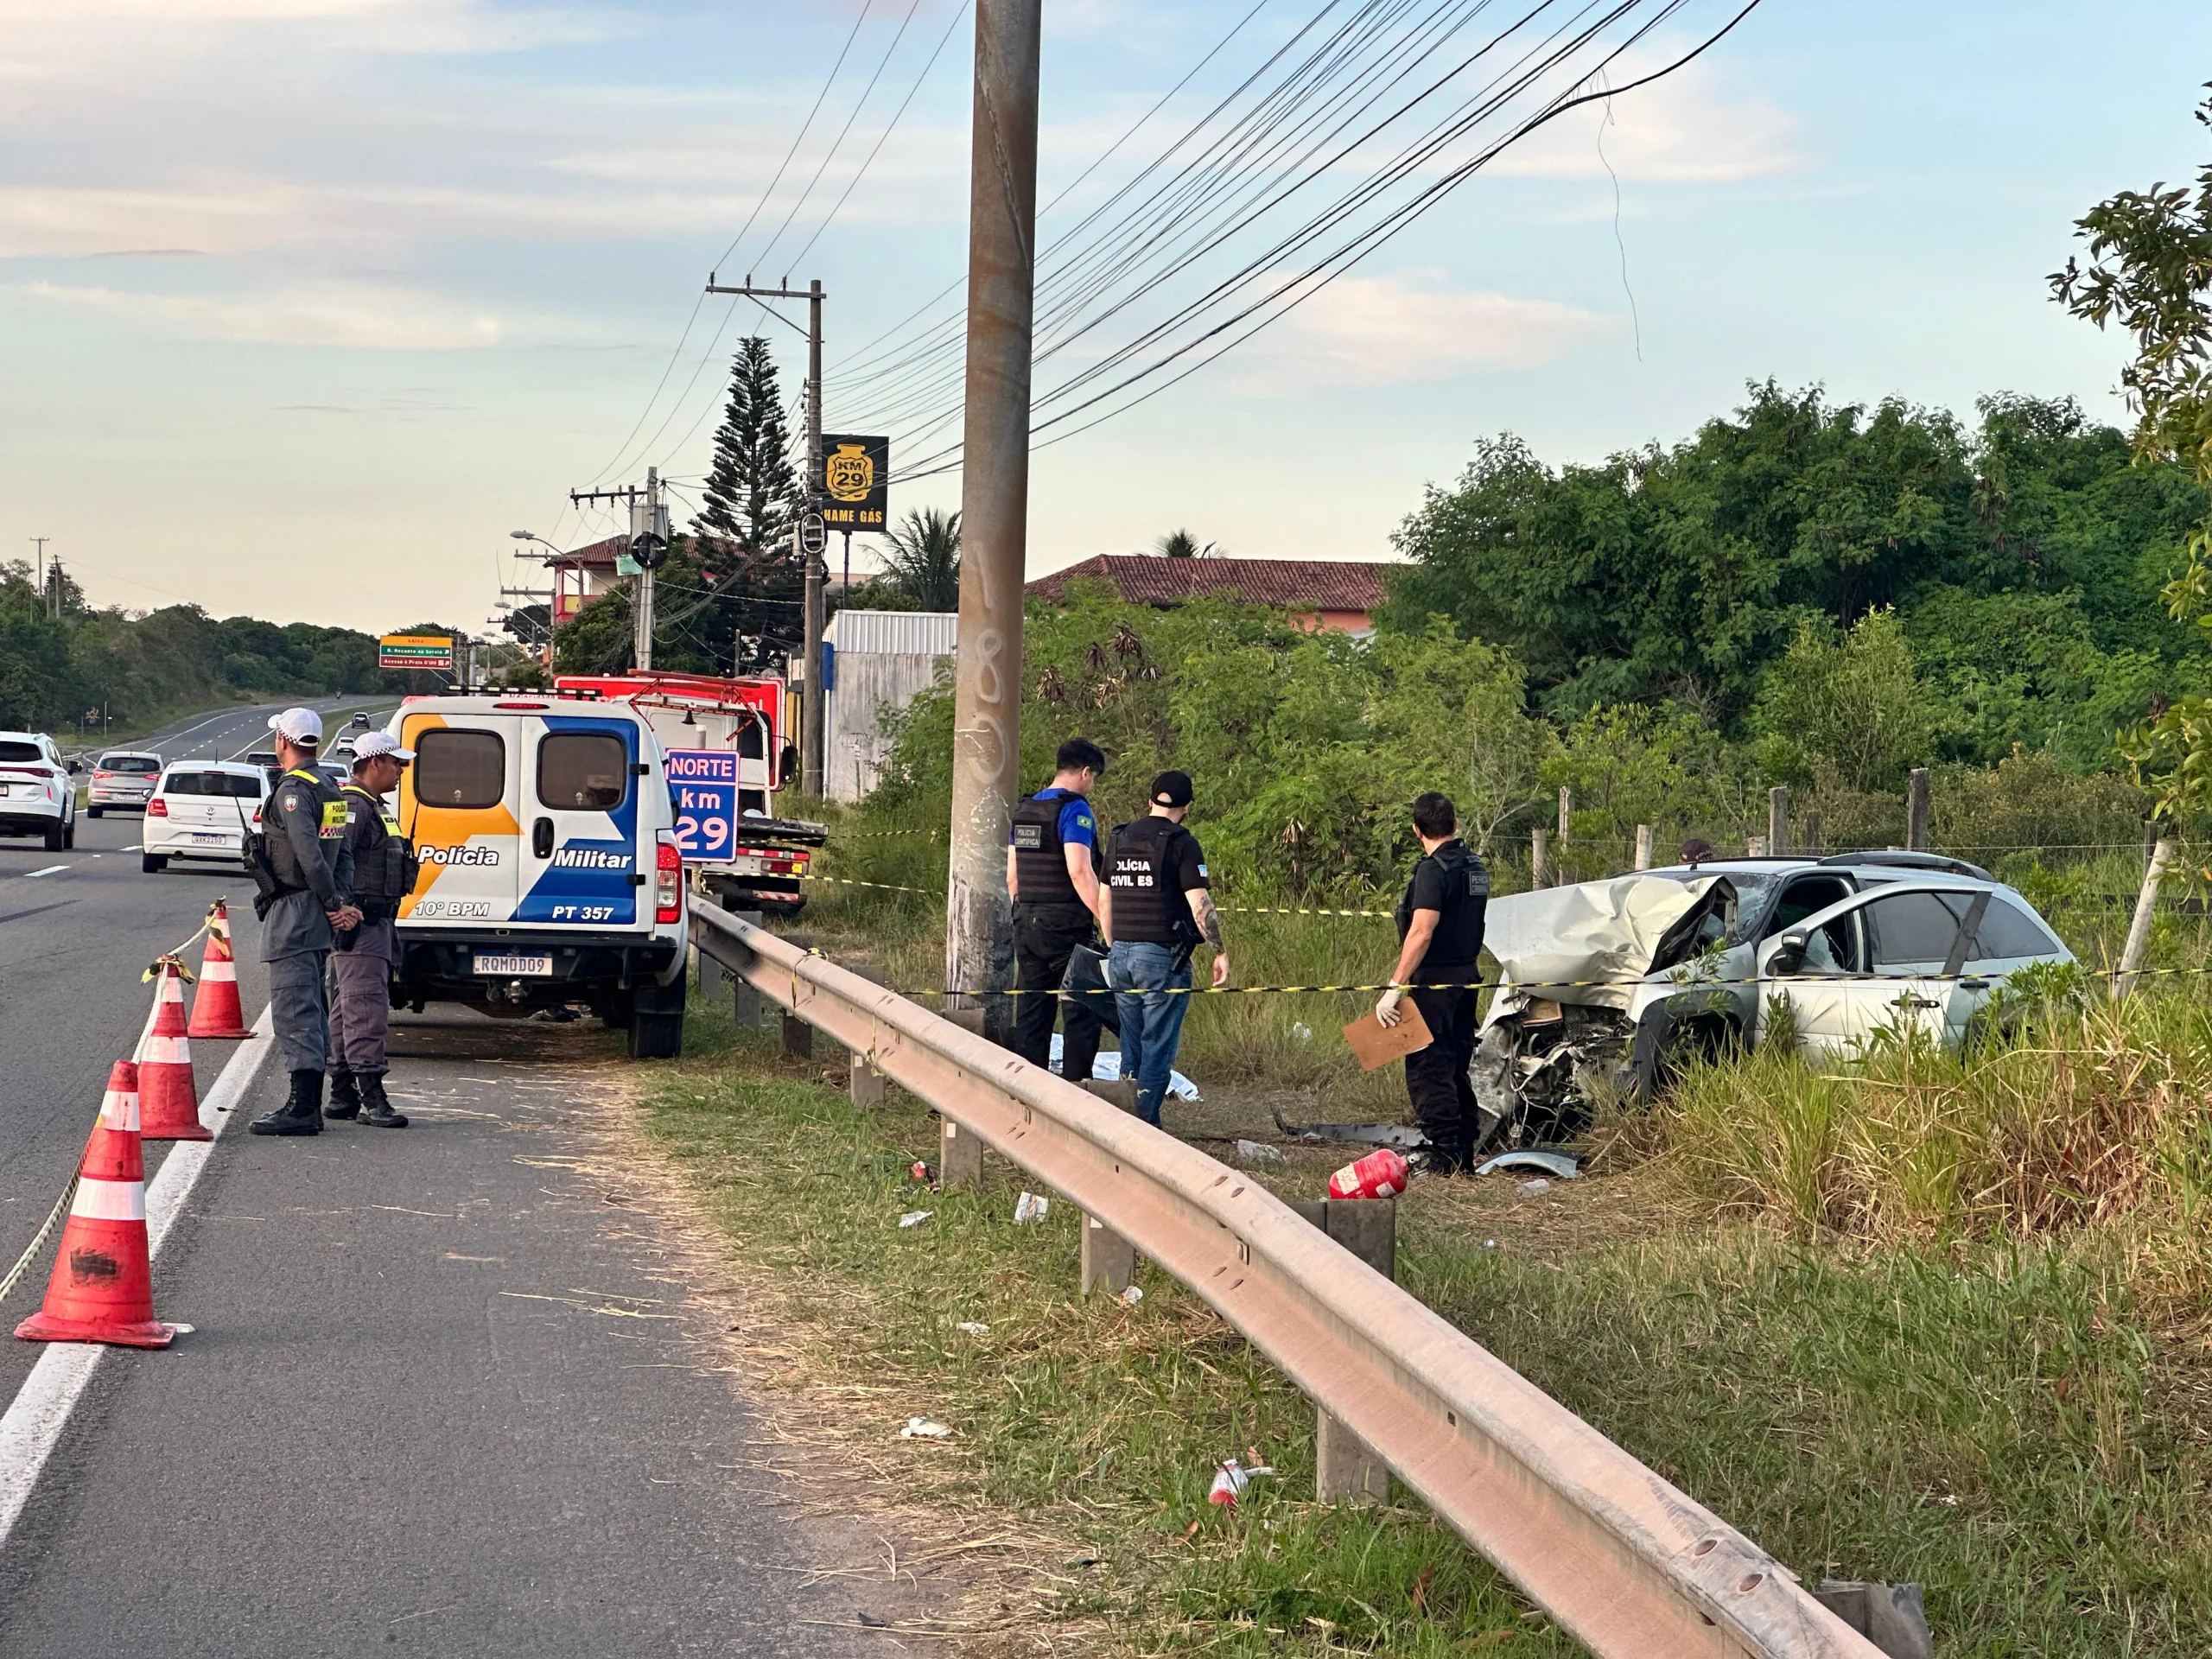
1030	1206
924	1428
974	1327
1132	1295
1258	1152
1529	1189
1230	1480
915	1218
1107	1068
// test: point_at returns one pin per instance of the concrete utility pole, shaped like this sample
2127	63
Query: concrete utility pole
41	541
994	497
812	725
811	776
641	609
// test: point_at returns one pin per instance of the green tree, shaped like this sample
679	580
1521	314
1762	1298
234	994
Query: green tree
1181	545
2151	272
922	560
1853	704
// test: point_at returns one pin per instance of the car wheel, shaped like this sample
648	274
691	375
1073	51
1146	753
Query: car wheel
153	863
93	811
53	836
656	1036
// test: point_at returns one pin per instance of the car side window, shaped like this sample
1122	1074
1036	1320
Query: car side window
2008	933
457	767
1807	896
1911	932
586	772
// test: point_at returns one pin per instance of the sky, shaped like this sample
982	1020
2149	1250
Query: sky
305	304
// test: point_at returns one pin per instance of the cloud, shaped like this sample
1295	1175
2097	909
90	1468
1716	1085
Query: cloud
1379	331
352	314
1684	130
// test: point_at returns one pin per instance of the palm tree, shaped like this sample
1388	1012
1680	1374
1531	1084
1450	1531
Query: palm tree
1181	545
922	559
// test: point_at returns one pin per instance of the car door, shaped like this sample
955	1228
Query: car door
2005	935
581	794
455	801
1876	963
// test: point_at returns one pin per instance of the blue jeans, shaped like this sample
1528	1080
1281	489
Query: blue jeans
1151	1020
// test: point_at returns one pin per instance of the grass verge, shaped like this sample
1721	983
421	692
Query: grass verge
2008	1418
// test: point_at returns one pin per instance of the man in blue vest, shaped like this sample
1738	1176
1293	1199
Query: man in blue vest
1052	875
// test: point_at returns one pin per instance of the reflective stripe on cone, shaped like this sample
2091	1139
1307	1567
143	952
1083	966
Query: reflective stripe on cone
168	1094
102	1288
215	1010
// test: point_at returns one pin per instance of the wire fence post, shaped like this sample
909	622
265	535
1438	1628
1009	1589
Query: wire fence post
1812	832
1565	811
1644	840
1916	811
2139	930
1540	862
1777	819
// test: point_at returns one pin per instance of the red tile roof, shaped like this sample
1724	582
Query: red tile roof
1294	584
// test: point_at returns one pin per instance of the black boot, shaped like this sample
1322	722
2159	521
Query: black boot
376	1110
300	1114
345	1098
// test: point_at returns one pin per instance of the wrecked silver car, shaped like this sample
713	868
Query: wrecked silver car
1605	986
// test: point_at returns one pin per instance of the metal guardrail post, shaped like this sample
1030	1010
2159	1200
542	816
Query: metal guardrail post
1346	1470
1621	1558
798	1038
750	1008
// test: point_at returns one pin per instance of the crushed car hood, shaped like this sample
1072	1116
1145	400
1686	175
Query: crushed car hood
1557	941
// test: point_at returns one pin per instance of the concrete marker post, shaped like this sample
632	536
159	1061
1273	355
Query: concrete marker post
959	1155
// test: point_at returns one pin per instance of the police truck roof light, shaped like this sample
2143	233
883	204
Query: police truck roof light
522	705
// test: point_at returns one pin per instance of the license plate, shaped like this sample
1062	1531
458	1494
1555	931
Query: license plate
207	838
512	967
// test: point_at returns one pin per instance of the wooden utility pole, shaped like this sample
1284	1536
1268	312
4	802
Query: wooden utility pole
1916	811
994	498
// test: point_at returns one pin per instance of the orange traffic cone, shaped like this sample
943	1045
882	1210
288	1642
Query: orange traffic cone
169	1095
103	1285
215	1011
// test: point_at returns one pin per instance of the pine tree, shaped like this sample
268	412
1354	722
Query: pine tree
752	492
751	574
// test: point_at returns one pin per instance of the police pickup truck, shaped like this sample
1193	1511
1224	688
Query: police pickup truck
550	874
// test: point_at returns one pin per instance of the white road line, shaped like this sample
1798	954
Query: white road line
34	1424
51	869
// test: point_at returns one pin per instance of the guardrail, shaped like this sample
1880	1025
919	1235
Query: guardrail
1612	1553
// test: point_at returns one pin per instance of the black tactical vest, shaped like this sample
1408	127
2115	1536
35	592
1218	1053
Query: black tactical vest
1457	940
322	806
1041	867
383	863
1149	908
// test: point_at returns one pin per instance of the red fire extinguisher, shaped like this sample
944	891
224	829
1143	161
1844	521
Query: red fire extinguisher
1381	1174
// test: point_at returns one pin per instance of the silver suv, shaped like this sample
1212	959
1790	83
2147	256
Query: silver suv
1605	982
122	778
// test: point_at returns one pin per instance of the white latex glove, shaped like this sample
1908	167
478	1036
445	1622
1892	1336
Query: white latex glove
1386	1011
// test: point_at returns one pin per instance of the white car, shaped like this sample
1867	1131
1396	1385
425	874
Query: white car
122	778
202	812
38	797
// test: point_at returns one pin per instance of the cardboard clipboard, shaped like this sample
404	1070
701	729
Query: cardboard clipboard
1374	1044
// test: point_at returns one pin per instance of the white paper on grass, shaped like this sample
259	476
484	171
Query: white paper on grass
1107	1068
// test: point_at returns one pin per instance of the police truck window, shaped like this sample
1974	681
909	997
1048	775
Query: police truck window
583	771
460	768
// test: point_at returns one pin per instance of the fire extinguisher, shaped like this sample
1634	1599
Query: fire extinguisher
1381	1174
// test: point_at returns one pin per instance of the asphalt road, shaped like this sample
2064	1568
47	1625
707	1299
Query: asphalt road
225	733
447	1392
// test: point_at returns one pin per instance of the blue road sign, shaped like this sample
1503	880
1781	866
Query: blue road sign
705	783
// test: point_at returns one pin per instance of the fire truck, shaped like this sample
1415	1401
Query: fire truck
727	759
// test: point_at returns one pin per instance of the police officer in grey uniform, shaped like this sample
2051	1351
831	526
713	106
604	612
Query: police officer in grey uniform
306	880
361	967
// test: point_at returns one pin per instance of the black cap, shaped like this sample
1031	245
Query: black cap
1172	789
